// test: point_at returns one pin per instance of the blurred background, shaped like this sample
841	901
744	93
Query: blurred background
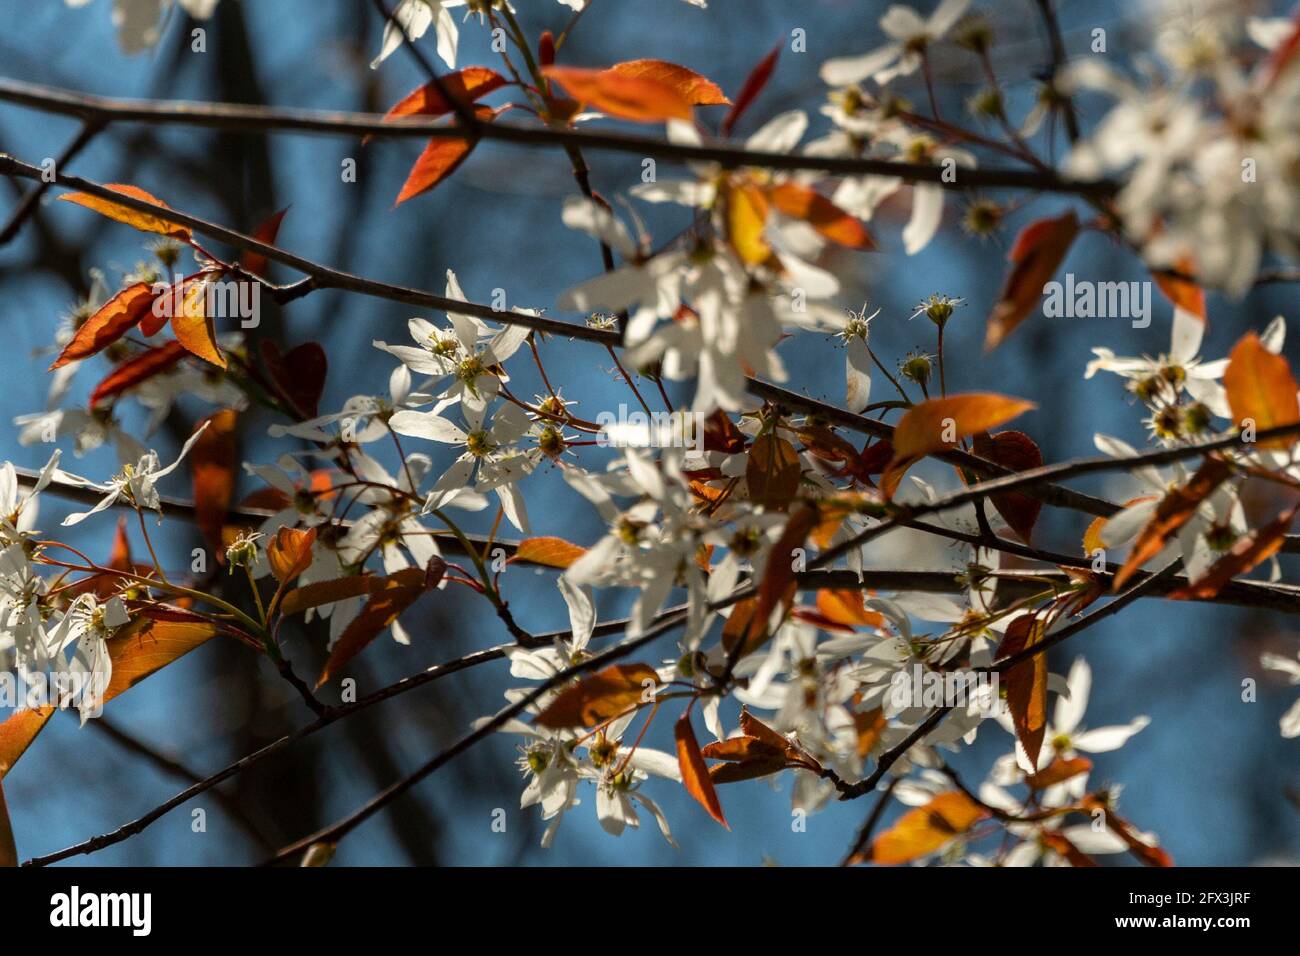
1211	774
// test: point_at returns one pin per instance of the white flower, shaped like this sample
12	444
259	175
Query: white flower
139	22
414	17
1290	722
910	35
89	624
135	483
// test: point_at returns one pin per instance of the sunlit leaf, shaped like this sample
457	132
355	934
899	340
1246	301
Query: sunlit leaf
193	325
1059	770
113	320
1026	683
695	774
552	552
940	423
802	202
138	370
144	221
637	98
289	552
695	89
266	231
923	830
751	88
746	222
1175	509
602	696
1261	389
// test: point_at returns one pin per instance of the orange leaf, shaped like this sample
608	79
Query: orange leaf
1183	293
114	319
695	89
746	220
923	830
192	324
398	592
802	202
140	369
940	423
266	232
869	725
1176	508
742	749
552	552
439	160
641	99
772	472
1026	683
1058	771
17	733
212	465
145	222
465	86
8	849
695	774
1251	550
1261	388
154	638
606	694
289	552
847	607
1019	452
1039	250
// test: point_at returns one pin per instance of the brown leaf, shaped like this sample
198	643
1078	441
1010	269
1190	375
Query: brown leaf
640	99
778	587
1261	389
397	592
299	373
327	592
1144	852
289	552
1251	550
604	695
772	472
923	830
213	469
1176	508
695	774
695	89
1026	683
940	423
114	319
145	222
1062	845
1019	452
551	552
1039	250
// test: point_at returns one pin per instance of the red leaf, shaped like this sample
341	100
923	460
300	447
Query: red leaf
114	319
464	86
266	232
298	373
1019	452
1039	250
135	371
753	85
